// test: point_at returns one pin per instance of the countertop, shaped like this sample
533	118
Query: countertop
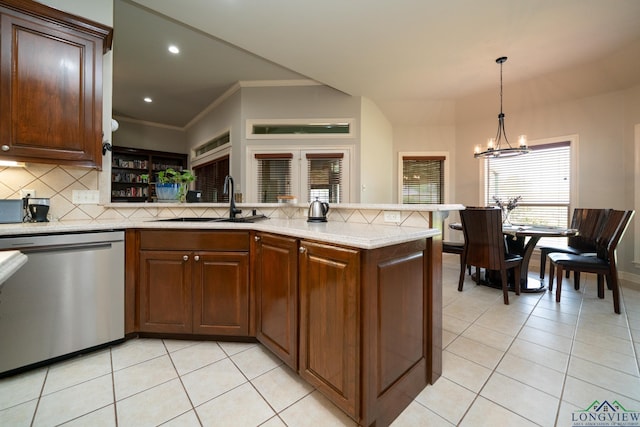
363	236
10	262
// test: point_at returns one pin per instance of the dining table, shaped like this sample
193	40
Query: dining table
521	239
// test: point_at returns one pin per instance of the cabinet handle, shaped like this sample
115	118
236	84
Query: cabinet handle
256	238
185	257
197	257
5	148
302	249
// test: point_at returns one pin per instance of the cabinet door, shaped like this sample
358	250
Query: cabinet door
277	296
165	291
51	97
329	325
221	293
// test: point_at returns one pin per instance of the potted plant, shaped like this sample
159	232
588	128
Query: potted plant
172	185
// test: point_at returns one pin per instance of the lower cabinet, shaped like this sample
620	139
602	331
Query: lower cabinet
276	284
329	322
362	326
192	290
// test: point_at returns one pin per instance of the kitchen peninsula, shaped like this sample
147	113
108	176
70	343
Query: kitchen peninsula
354	308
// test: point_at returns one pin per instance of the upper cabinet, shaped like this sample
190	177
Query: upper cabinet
50	85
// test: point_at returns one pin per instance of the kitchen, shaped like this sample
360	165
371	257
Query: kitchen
59	178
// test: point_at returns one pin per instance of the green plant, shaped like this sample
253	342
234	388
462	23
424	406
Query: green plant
172	176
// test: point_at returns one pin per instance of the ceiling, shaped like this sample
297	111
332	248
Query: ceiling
410	57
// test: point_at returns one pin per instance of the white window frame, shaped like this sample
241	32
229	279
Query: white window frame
574	152
299	172
445	165
251	122
216	153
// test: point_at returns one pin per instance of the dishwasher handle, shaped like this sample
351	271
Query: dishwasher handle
64	247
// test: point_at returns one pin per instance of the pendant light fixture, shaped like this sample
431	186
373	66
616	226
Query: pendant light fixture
495	148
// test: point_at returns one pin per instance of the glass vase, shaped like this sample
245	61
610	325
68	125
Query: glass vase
505	217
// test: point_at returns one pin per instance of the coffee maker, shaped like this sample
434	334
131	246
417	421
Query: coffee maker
38	209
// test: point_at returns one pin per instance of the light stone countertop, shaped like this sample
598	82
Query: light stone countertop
363	236
10	262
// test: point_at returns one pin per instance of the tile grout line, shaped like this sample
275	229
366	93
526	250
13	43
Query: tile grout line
493	371
183	386
573	341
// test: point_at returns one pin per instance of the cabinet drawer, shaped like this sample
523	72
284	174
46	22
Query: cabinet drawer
194	240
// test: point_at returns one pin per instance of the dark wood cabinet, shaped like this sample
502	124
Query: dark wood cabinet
128	165
276	284
221	293
50	85
330	322
166	291
194	282
363	326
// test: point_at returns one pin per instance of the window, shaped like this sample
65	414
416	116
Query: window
286	129
210	180
543	178
217	142
302	173
423	179
274	176
300	128
325	177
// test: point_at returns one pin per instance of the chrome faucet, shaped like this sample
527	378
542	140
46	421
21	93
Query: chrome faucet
228	182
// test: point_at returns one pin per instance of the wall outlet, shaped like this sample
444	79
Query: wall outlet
27	192
85	197
392	216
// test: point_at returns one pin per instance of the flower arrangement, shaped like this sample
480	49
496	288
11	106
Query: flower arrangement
511	204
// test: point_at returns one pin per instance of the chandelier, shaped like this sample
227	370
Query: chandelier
494	145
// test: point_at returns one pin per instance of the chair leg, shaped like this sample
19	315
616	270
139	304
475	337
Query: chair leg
543	262
517	270
505	286
576	280
462	271
612	280
601	286
559	284
551	275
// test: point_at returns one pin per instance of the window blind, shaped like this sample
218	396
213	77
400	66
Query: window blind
325	177
423	179
210	179
543	179
274	176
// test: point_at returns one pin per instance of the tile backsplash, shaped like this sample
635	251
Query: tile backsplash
58	183
54	182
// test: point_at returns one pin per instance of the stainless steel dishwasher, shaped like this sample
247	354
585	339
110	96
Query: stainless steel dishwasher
67	298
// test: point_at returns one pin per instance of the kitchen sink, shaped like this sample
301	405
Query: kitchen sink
252	218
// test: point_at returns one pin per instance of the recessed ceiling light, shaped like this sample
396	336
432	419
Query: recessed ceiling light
174	49
147	99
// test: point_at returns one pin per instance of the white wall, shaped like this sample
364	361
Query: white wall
136	134
376	151
605	161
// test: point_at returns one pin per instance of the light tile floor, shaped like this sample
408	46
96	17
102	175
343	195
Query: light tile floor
531	363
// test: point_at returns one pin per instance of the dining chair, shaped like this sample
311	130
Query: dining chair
603	263
485	247
451	247
588	222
